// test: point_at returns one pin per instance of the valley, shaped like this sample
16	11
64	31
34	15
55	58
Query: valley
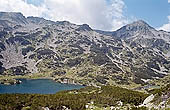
133	62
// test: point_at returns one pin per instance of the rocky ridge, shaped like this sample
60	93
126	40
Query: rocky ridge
136	53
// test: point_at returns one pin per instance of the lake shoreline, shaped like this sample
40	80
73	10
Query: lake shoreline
37	86
12	80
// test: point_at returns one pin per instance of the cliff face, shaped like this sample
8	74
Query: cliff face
136	53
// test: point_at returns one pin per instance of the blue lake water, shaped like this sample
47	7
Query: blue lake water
40	86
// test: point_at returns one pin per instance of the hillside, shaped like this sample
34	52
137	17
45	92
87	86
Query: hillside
135	54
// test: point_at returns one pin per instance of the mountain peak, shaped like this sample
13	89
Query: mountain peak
13	17
139	23
84	27
10	14
63	22
39	20
137	27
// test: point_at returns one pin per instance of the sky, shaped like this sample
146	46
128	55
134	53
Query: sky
99	14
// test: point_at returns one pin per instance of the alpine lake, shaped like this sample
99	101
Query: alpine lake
37	86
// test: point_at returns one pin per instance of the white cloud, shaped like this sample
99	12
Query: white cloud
98	14
168	1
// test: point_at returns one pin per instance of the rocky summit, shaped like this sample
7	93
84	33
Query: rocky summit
134	54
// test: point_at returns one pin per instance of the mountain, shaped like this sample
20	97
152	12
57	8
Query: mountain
134	54
8	19
39	21
136	28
